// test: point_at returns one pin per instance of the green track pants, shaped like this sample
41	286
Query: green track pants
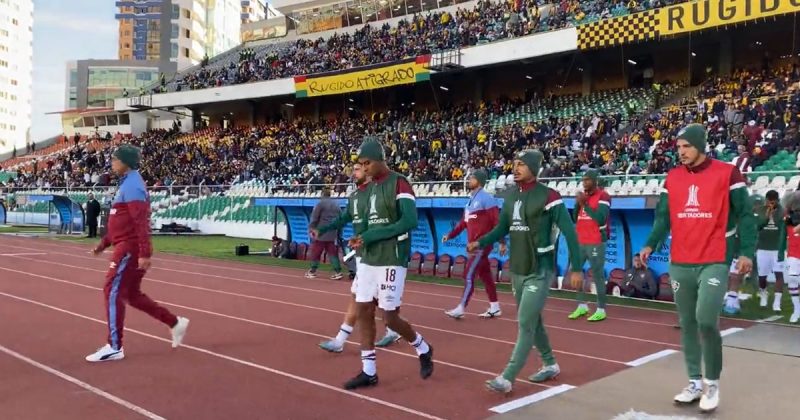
531	293
596	255
699	292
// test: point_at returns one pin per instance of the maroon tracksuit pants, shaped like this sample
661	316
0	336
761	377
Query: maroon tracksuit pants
123	286
478	267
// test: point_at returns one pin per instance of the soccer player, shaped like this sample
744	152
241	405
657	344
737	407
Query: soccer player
793	252
385	246
530	213
735	278
325	212
480	216
592	207
129	232
697	202
770	248
356	208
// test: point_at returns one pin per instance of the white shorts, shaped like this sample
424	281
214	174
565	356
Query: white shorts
354	283
793	266
385	284
768	262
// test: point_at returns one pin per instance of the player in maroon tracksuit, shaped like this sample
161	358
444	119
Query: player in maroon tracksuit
128	231
480	217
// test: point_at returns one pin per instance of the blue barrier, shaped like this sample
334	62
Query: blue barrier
631	222
68	211
3	213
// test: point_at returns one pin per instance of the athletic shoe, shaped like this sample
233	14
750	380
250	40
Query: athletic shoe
106	354
795	317
337	276
362	380
776	306
331	346
730	310
581	311
311	274
546	373
690	394
455	313
426	363
597	316
179	331
388	340
499	384
763	298
710	399
491	314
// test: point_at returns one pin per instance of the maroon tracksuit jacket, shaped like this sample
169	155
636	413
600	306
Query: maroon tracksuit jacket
129	231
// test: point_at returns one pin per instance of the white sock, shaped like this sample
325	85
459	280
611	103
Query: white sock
368	362
778	296
389	332
494	306
583	306
458	309
710	382
698	383
600	311
344	332
796	303
420	345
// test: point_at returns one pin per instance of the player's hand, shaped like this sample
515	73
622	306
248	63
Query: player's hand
144	264
472	246
580	198
445	239
744	265
314	233
644	254
97	251
503	250
355	243
797	229
576	280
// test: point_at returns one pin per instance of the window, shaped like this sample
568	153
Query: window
3	63
14	22
187	33
186	52
175	31
174	52
176	11
13	82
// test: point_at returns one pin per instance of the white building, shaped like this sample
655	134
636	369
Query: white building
16	73
203	28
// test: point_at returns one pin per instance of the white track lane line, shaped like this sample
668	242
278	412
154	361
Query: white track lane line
265	324
238	361
75	381
530	399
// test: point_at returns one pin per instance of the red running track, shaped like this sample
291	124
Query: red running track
251	350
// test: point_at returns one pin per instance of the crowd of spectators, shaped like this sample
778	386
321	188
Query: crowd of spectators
752	114
419	34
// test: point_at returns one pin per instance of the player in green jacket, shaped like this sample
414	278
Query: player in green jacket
699	200
770	248
385	245
532	215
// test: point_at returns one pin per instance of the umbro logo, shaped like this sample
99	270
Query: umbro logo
532	288
713	281
113	264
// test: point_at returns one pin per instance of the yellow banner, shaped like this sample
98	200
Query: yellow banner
408	72
678	19
694	16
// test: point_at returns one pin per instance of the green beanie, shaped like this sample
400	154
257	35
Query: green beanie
696	135
371	150
591	174
129	155
481	176
532	159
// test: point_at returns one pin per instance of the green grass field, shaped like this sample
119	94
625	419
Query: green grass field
222	248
